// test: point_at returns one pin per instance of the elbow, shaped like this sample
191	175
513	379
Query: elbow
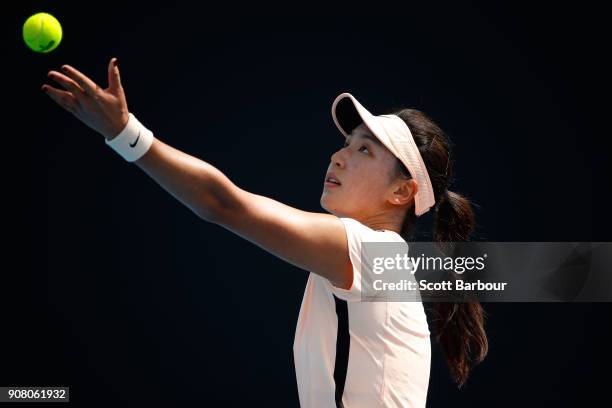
219	203
215	209
208	209
210	215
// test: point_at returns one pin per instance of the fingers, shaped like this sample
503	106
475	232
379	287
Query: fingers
67	83
114	79
87	84
63	98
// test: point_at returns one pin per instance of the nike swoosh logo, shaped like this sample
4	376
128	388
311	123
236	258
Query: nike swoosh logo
135	141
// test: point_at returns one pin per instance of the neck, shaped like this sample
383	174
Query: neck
387	221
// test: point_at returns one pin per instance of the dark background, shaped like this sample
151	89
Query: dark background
112	287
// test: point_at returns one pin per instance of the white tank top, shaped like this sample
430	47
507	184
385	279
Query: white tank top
355	354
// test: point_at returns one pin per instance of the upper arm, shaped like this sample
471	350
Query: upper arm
316	242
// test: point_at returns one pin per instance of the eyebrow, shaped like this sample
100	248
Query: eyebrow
370	138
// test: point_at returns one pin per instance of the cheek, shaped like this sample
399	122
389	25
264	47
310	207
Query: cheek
371	182
360	190
366	191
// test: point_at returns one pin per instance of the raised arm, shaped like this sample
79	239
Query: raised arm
313	241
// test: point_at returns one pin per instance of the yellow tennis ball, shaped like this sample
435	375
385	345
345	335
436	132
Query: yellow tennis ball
42	32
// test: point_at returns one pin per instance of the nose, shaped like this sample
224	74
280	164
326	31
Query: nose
338	159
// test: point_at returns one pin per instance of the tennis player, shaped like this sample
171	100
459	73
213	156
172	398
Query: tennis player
392	169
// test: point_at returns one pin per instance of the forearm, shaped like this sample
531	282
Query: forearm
200	186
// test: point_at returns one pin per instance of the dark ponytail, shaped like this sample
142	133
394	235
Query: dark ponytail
454	219
459	325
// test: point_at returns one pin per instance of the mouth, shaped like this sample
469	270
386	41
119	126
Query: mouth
332	180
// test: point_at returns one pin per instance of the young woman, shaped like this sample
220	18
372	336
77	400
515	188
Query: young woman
391	169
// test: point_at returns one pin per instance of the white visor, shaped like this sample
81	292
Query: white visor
395	135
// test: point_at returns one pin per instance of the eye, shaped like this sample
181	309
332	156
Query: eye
346	143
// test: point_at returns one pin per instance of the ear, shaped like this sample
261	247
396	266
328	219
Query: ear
403	192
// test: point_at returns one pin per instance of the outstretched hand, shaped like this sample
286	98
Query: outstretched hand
103	110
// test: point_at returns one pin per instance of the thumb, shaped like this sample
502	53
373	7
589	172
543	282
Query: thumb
114	79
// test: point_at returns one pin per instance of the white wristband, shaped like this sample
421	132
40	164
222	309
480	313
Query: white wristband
133	141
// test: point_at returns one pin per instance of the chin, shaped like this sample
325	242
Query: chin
325	203
329	206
